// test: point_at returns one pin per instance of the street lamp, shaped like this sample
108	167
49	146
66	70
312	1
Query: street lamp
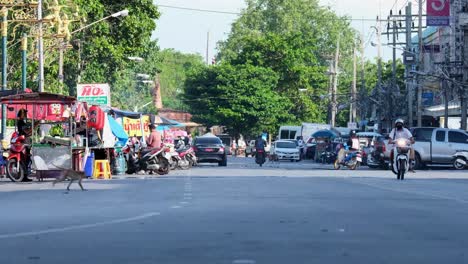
122	13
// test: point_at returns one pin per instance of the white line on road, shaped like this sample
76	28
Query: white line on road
75	227
175	207
244	261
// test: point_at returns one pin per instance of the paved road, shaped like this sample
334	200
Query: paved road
193	218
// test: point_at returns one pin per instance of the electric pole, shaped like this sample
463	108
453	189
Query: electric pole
40	47
408	25
420	66
207	48
353	103
335	84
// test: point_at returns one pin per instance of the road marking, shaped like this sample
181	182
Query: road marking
183	202
244	261
187	198
175	207
443	197
76	227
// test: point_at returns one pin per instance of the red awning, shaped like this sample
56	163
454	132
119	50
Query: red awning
37	98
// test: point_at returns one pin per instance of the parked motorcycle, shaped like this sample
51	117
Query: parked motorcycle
352	160
460	159
187	158
327	157
376	159
260	157
400	163
18	166
148	159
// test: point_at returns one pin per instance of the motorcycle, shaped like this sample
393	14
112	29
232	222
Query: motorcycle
460	159
400	158
376	159
260	157
352	160
187	158
149	159
18	164
327	157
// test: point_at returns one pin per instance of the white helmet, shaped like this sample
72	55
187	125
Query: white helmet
399	120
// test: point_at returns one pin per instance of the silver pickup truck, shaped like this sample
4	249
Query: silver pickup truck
436	146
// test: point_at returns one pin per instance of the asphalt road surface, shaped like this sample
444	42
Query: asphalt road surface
281	213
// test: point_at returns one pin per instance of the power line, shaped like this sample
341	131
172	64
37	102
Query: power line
238	13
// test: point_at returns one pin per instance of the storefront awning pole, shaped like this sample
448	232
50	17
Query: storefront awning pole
143	140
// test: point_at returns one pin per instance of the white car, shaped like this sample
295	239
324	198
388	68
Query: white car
285	150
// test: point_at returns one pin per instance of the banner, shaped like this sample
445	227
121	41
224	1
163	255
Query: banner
94	94
438	12
133	126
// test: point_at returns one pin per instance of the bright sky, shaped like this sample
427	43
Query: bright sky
186	30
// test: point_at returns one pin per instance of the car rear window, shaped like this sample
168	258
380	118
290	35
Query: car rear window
208	140
286	145
423	134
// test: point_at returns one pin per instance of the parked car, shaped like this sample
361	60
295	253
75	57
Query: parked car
250	148
436	146
210	149
285	150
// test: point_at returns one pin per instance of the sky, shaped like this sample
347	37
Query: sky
187	30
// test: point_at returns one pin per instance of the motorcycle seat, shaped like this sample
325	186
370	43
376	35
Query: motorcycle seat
148	150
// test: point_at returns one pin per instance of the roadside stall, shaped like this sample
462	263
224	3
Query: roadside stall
44	136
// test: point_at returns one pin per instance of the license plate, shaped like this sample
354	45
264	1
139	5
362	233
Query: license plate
209	150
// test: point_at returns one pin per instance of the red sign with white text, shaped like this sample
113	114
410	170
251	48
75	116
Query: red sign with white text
438	12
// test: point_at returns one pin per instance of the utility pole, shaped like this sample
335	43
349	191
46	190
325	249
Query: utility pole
4	13
60	71
408	25
420	67
335	84
463	98
379	70
40	47
363	81
207	47
393	91
352	105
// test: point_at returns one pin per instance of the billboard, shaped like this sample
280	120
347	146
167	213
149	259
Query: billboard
94	94
438	12
133	126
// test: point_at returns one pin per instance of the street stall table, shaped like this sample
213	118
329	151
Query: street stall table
46	154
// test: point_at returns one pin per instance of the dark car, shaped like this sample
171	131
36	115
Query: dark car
210	149
227	141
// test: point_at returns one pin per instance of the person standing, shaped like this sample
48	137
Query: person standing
155	138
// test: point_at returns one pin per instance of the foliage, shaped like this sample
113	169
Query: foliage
240	97
295	39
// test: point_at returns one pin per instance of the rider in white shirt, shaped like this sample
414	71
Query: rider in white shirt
401	132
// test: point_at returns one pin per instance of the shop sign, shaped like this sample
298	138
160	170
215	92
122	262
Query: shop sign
94	94
133	126
438	12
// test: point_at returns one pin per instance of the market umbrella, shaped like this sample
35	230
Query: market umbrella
324	134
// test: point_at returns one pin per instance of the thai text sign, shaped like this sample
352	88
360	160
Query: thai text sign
133	126
438	12
94	94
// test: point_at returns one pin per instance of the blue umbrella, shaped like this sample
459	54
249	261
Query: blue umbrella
324	134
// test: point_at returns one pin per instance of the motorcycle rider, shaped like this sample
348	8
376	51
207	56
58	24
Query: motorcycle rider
399	131
260	144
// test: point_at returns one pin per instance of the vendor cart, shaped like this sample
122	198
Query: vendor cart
47	149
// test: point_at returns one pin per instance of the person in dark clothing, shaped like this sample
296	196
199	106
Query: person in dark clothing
23	127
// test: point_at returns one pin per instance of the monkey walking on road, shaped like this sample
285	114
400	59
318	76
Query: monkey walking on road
72	175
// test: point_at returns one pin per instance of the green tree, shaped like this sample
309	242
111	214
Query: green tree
240	97
295	39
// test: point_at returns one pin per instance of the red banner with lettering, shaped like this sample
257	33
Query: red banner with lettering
438	12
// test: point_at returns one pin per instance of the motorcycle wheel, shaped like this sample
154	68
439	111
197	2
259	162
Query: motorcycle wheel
337	165
185	164
15	173
174	164
354	166
458	165
402	170
164	167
